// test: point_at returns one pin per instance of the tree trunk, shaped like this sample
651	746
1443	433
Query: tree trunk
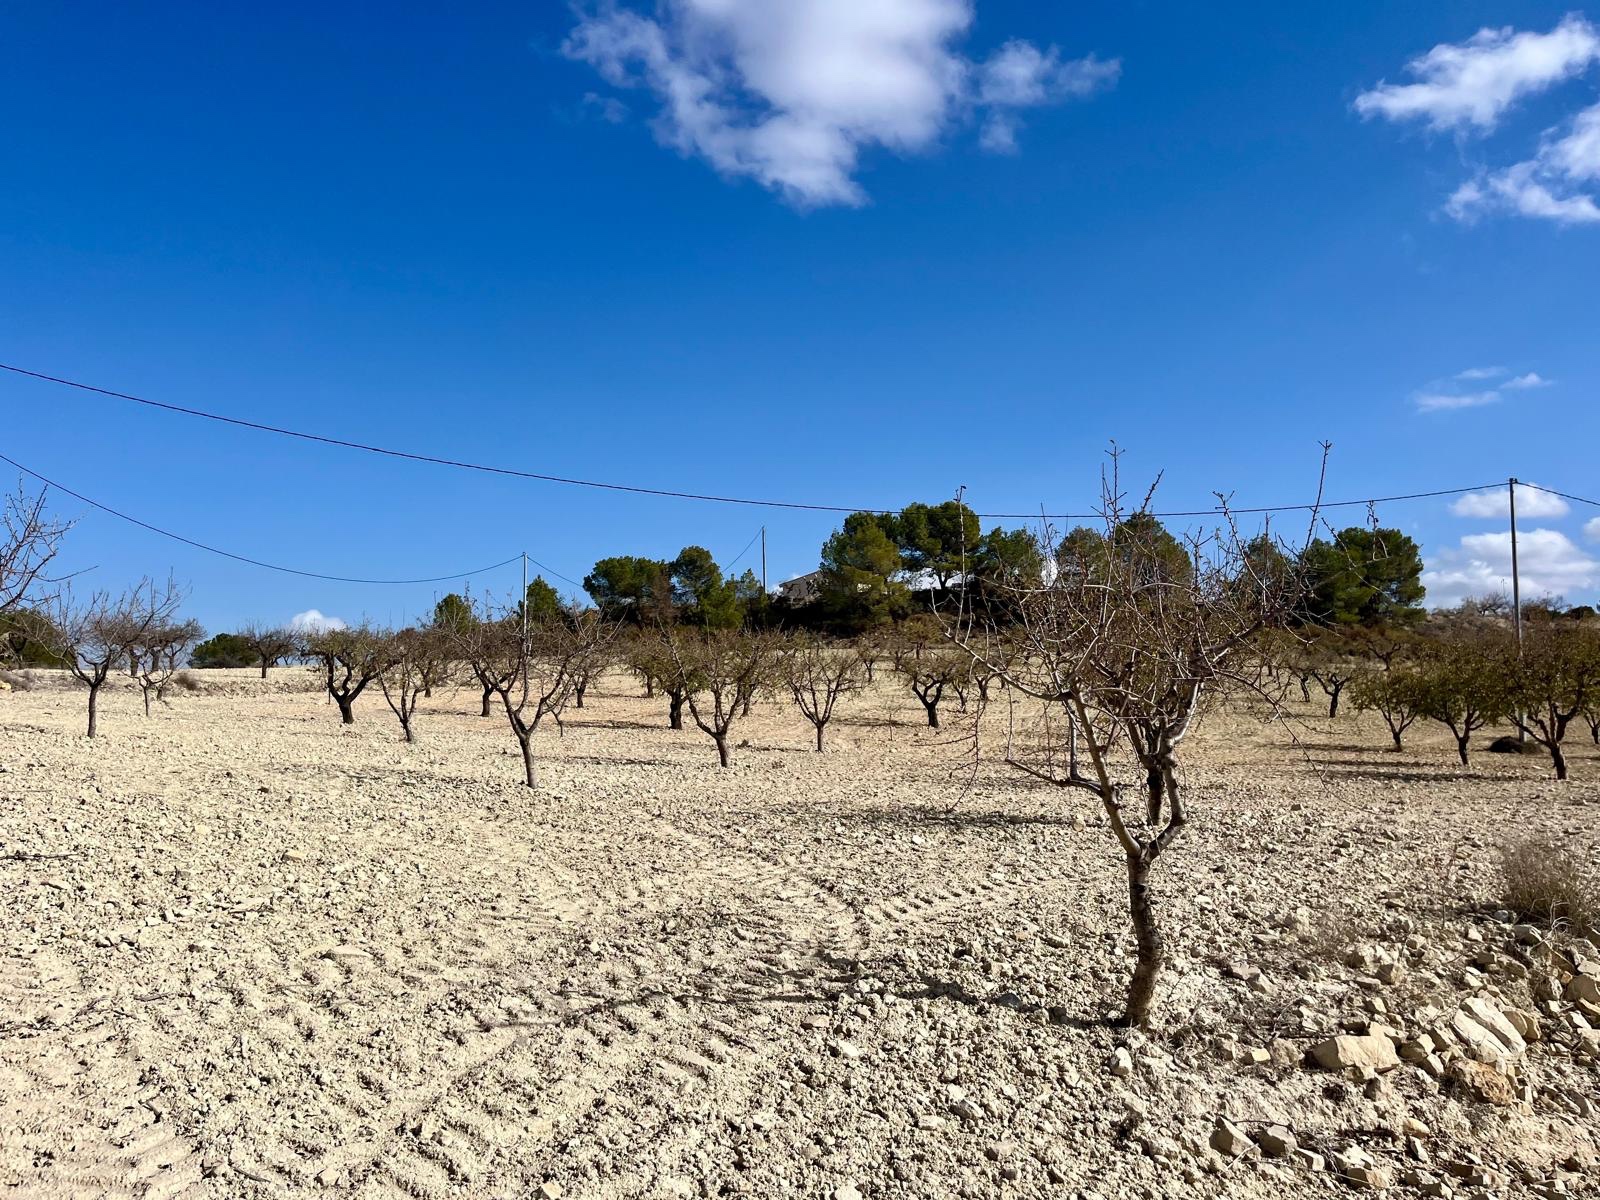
1156	787
1594	732
577	694
530	773
264	665
1151	947
405	726
1333	701
675	712
819	739
1395	733
94	703
1461	749
722	747
146	702
347	710
933	713
1305	690
1559	759
488	693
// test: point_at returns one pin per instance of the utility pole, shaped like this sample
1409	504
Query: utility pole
1516	587
1516	578
763	560
523	604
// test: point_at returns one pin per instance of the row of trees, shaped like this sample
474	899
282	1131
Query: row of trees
1462	669
878	569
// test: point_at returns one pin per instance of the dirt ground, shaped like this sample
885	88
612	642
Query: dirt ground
246	951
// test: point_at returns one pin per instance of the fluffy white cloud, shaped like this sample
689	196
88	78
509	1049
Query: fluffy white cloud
1472	83
1550	564
1548	186
791	93
1591	529
1531	380
312	621
1497	503
1444	394
1019	75
1469	85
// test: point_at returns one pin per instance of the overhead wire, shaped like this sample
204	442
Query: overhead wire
244	558
638	489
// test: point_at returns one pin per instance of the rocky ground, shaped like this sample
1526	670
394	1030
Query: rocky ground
245	951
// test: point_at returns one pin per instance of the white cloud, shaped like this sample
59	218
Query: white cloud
1531	380
1427	401
1547	186
312	621
1497	503
1020	75
607	108
1443	395
1548	561
1472	83
1591	529
791	93
1467	86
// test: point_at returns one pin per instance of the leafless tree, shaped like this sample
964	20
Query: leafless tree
270	644
818	676
596	660
923	657
722	669
96	636
413	657
1556	678
1125	654
348	660
162	652
29	540
651	656
533	669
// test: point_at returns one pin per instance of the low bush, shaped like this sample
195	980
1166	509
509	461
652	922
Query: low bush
1551	885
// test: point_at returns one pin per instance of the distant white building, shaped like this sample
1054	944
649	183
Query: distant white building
802	589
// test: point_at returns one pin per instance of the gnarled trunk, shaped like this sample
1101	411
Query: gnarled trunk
675	710
94	703
347	709
1151	946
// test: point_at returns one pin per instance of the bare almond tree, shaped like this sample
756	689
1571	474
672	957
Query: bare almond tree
650	656
923	657
818	676
1126	648
722	669
270	644
29	540
413	658
162	652
1556	678
96	636
348	660
532	667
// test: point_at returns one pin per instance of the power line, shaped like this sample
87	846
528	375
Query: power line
254	562
1563	495
667	492
743	552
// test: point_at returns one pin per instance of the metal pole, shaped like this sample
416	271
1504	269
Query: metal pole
1516	589
763	560
524	603
1516	577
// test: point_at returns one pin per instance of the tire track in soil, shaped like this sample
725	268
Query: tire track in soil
314	1025
69	1081
579	1074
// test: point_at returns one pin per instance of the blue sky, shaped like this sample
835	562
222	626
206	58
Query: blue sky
884	250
